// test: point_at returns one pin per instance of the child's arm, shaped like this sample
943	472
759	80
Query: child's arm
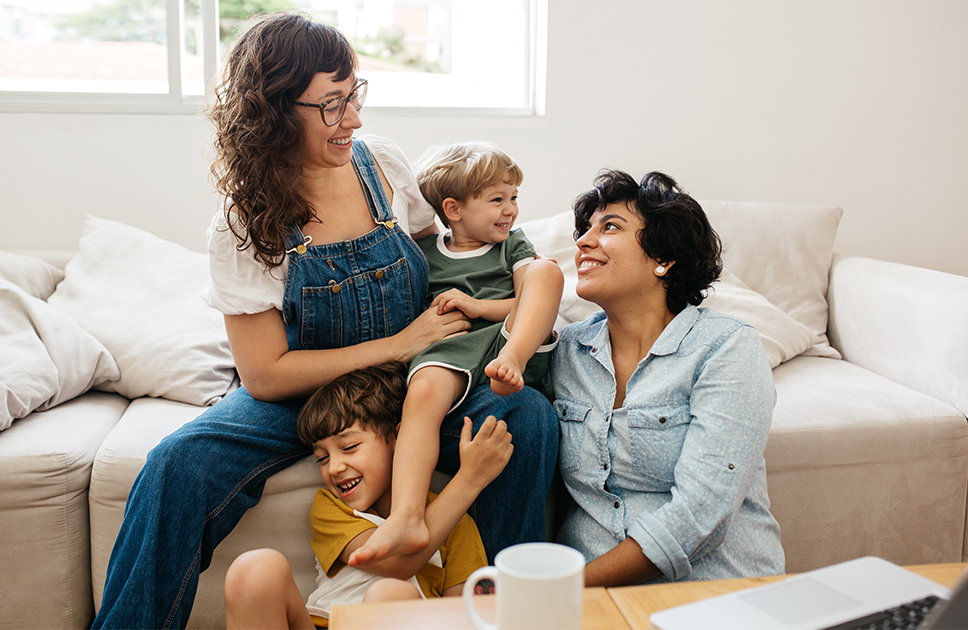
473	308
490	310
482	459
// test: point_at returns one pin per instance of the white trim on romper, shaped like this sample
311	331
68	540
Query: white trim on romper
547	347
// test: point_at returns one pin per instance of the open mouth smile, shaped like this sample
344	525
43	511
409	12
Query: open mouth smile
349	485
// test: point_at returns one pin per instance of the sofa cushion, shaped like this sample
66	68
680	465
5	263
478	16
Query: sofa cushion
47	358
45	467
783	252
140	296
280	520
858	464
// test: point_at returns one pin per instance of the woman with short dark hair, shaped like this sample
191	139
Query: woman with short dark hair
664	407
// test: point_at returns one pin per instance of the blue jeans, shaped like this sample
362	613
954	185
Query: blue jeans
199	481
511	509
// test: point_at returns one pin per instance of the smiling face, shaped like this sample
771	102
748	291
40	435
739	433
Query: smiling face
487	218
323	146
356	466
612	267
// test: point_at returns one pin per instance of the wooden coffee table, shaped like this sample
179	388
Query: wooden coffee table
447	613
625	607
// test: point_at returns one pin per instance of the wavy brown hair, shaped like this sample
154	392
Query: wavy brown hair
371	397
257	130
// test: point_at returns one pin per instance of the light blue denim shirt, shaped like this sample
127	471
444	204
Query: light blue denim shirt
679	467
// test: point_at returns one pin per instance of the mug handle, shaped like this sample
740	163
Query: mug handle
468	594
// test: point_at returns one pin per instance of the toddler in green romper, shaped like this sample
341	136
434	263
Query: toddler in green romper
510	297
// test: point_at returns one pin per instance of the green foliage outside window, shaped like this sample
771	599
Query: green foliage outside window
144	21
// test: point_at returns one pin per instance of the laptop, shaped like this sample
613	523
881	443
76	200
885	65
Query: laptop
827	598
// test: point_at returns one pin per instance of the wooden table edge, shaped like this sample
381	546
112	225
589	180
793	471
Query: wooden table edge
628	599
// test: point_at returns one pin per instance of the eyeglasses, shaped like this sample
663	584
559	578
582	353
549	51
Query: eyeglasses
332	111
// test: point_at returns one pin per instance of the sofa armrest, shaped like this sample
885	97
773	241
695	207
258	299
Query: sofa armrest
906	323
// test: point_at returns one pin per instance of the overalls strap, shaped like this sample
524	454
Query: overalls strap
366	170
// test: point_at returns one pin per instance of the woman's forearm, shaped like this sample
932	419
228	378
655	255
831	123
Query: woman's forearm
622	565
299	373
271	372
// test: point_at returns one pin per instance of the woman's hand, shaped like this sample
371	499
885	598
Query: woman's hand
483	457
431	326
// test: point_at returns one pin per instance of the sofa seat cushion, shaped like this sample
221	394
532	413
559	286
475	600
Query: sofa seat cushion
844	444
279	521
45	468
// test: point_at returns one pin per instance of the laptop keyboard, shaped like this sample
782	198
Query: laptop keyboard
906	617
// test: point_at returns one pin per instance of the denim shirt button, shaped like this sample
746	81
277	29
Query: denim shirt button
617	505
731	467
662	420
605	466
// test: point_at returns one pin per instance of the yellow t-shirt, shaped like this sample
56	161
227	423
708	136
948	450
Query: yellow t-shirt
334	525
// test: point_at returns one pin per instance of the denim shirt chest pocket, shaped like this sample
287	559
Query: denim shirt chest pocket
655	437
572	420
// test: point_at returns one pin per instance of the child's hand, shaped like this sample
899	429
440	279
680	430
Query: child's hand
457	300
539	255
485	456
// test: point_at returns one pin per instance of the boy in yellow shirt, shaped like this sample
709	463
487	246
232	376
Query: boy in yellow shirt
351	423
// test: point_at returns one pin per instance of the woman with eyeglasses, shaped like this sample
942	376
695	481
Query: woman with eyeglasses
313	265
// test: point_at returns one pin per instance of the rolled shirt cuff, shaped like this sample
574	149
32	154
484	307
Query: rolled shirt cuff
660	546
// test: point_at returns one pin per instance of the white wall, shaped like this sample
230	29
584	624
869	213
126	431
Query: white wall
857	103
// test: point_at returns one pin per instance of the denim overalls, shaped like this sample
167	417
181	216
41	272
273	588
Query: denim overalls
199	481
345	293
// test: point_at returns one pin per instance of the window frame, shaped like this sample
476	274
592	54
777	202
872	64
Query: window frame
174	102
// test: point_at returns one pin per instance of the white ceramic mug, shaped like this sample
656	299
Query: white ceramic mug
538	586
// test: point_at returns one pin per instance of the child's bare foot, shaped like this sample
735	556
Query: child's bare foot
506	374
395	537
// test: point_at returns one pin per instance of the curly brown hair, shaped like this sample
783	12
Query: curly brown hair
371	396
257	130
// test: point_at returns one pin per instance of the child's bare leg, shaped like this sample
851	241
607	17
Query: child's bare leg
529	325
432	391
390	590
260	593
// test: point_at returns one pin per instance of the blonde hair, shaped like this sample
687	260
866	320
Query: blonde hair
462	171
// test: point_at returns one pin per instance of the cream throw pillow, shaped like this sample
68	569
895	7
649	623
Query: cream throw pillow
47	359
139	295
783	252
36	277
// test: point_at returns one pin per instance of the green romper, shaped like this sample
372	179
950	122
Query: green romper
485	274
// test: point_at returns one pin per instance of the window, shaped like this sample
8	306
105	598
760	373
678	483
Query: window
158	56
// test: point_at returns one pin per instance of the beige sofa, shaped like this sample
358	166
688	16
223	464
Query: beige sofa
868	453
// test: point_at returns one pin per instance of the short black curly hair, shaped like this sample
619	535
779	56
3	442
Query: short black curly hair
676	229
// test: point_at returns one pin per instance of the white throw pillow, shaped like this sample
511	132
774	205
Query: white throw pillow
783	252
36	277
47	358
139	295
783	337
